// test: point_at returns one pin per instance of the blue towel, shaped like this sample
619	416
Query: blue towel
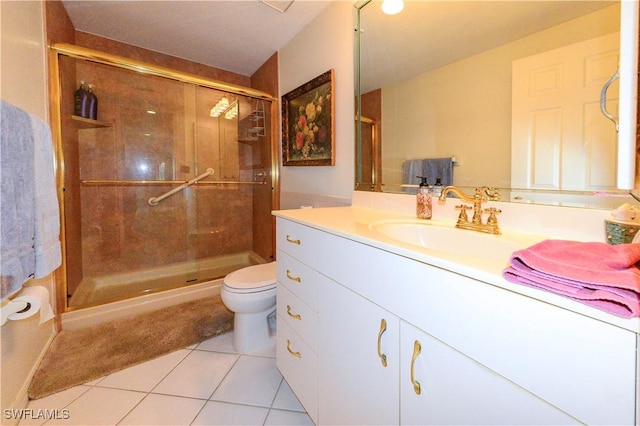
431	168
47	212
29	238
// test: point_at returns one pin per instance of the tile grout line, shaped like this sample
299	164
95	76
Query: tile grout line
224	377
214	391
275	396
149	392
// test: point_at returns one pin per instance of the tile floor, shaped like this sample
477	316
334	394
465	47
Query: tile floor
204	384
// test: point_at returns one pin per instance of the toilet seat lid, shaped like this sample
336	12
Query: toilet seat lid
257	278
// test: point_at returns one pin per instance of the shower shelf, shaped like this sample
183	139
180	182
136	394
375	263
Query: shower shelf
257	118
87	123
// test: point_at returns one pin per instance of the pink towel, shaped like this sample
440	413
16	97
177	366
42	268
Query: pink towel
597	274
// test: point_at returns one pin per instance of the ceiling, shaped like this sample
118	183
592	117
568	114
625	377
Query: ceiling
237	36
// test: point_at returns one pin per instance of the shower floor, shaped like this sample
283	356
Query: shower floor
109	288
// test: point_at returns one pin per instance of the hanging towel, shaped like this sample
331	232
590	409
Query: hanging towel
431	168
29	221
597	274
48	250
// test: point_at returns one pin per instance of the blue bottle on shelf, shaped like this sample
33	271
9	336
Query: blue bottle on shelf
92	103
81	101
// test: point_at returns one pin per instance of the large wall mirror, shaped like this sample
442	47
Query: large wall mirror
509	91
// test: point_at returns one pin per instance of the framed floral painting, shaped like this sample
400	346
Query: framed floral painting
308	123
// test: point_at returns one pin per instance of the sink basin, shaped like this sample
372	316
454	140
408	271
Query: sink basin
448	239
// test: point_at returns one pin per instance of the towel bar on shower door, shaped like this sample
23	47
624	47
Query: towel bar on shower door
155	200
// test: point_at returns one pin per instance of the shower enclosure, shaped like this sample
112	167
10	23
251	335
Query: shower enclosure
172	184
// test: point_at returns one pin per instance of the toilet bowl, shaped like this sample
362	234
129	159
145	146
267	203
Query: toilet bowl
251	294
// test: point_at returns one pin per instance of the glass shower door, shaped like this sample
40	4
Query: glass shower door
152	135
123	245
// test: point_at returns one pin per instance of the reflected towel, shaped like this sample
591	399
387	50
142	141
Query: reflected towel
597	274
29	221
431	168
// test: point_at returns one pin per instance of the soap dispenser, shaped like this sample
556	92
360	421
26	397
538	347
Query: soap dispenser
436	189
423	199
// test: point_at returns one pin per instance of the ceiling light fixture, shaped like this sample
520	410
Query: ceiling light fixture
219	107
392	7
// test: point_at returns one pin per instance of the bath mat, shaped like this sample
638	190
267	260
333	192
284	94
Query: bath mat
80	356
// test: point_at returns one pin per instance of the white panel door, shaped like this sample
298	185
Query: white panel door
560	139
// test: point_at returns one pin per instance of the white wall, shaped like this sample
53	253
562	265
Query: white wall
326	43
23	67
23	84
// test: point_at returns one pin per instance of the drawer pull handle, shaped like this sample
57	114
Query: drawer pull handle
294	316
296	354
292	278
417	348
383	328
292	241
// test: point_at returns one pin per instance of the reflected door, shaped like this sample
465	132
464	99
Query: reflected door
560	139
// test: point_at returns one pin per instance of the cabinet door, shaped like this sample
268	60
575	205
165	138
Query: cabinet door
439	385
355	336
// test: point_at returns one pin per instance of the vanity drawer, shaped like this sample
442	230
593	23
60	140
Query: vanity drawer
300	279
299	367
299	316
302	242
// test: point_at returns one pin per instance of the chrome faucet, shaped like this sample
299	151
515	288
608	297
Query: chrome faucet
481	195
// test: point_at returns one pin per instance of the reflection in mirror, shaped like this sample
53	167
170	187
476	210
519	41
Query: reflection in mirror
509	91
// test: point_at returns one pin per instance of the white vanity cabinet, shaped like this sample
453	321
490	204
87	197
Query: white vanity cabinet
487	355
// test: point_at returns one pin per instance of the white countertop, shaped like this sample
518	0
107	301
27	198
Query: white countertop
354	222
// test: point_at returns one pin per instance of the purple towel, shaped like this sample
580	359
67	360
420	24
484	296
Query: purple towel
597	274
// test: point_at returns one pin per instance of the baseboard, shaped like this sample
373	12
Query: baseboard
22	398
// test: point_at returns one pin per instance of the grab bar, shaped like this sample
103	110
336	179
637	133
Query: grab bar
155	200
603	99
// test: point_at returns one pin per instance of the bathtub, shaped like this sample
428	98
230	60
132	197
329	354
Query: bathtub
118	295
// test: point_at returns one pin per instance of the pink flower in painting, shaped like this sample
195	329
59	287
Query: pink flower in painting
299	140
302	122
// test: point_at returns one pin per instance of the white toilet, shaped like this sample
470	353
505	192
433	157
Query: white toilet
251	294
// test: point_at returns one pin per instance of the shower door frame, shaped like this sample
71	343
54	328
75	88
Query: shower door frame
64	49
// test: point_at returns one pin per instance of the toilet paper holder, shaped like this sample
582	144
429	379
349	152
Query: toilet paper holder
31	301
13	308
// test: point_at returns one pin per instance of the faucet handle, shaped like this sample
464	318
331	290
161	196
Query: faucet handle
492	220
463	217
